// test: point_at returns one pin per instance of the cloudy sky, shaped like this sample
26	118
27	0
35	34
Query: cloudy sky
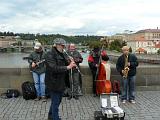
78	17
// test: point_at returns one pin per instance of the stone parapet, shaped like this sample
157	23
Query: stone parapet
147	78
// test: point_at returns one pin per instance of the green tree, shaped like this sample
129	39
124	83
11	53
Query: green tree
94	44
158	52
115	45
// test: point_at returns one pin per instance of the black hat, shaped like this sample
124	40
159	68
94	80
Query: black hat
96	49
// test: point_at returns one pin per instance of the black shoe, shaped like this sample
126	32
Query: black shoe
69	98
37	99
94	95
76	97
49	117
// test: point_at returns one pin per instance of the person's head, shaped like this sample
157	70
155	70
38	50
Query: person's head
38	47
125	50
60	44
96	50
104	56
72	47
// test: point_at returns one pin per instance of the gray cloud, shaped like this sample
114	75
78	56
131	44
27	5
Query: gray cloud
94	17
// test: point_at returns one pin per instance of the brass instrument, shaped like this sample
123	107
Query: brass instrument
126	68
125	72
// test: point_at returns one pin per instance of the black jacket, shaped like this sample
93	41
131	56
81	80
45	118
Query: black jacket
133	64
56	77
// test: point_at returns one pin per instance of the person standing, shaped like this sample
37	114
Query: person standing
37	66
93	62
75	81
126	65
57	67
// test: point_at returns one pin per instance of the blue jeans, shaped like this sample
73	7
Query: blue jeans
56	98
39	83
128	88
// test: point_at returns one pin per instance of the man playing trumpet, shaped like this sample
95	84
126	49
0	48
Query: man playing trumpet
126	66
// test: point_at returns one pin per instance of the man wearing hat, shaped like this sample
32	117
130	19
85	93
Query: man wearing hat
37	67
56	79
75	91
93	61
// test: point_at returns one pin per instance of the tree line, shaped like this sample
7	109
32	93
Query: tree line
48	38
85	40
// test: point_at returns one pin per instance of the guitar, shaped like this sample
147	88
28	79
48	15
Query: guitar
37	63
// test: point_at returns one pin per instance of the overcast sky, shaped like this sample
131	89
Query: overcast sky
77	17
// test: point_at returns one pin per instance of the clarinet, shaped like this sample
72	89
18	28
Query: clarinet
71	58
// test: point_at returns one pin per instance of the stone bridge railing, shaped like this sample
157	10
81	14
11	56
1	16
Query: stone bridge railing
148	78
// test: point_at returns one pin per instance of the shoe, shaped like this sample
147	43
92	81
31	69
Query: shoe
69	98
94	95
49	117
43	98
80	94
37	99
132	101
123	101
76	97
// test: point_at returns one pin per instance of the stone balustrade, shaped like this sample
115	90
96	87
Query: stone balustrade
147	78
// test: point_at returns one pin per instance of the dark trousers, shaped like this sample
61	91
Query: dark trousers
56	98
74	84
94	81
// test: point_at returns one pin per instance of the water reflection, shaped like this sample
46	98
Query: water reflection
14	60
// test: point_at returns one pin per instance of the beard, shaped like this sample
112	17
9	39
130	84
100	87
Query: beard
60	49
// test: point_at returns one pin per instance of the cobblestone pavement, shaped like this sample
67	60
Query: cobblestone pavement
147	107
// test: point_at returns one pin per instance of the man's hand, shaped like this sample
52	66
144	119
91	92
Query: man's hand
129	63
71	65
33	65
97	65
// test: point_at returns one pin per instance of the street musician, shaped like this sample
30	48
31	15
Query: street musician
126	65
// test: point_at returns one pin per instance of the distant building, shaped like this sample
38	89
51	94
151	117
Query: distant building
28	42
145	41
118	36
110	39
7	41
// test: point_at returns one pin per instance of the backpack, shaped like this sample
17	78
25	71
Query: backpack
116	86
10	93
28	90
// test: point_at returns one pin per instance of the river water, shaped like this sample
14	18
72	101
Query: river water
14	60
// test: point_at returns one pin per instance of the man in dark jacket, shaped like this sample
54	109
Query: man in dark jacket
126	66
56	75
74	73
37	66
93	62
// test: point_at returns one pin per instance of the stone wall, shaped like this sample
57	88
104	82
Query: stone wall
147	78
